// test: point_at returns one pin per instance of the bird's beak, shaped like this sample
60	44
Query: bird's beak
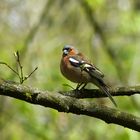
65	52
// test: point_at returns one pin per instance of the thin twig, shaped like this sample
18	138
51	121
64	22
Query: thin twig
26	77
20	66
20	74
3	63
67	85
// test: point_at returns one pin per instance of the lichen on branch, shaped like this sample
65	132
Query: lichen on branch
62	103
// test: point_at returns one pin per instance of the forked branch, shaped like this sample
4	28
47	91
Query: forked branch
19	72
69	104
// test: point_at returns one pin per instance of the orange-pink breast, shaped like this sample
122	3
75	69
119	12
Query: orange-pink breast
74	74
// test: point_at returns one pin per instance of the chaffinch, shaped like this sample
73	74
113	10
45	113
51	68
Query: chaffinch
76	68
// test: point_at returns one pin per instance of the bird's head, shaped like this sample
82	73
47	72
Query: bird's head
69	50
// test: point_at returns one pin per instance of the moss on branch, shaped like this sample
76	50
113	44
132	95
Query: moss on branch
69	104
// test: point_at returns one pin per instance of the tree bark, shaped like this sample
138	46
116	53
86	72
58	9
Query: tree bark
63	103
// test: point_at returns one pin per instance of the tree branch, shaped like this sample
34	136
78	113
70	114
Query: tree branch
96	93
69	104
34	29
99	30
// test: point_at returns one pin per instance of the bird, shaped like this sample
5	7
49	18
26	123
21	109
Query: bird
78	69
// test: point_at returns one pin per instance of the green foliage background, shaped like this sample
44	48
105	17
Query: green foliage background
39	30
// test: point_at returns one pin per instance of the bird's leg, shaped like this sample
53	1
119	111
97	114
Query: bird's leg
83	87
79	85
